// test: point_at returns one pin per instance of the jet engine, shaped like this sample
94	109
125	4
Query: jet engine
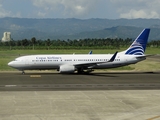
67	69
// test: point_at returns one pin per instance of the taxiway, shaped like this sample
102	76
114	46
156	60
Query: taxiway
97	96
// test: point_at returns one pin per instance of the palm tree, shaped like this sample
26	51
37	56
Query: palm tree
48	43
33	41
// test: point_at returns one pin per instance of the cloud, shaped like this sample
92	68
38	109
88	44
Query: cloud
137	8
70	8
140	14
3	12
7	13
41	14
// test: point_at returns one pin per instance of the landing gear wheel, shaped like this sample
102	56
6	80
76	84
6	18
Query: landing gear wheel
23	72
80	71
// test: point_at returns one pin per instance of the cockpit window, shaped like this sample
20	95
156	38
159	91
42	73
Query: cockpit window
15	60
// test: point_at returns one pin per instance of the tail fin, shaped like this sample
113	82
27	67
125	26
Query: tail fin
138	47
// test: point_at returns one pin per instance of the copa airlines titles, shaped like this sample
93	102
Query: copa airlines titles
49	57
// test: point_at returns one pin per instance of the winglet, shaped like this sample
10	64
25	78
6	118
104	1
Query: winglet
90	52
113	57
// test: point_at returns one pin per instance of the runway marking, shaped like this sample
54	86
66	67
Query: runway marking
35	76
82	86
154	118
10	85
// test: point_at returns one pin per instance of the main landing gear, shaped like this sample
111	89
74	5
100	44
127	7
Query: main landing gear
23	72
81	71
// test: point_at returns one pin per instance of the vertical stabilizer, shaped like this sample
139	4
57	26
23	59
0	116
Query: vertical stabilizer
138	47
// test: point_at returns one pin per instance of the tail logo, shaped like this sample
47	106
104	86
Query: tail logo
135	49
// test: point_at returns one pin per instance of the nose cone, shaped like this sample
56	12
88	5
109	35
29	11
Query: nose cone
10	64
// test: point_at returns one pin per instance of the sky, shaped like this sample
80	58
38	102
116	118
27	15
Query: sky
81	9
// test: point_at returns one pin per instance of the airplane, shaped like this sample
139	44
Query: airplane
71	63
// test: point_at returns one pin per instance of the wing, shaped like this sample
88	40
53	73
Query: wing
95	63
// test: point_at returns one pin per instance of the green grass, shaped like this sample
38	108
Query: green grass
70	51
29	52
152	50
9	55
124	68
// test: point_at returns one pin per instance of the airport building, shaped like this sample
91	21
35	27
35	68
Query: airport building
6	37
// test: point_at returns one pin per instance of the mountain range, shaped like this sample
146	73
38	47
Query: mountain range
71	28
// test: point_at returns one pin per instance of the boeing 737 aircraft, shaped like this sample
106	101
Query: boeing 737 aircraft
84	62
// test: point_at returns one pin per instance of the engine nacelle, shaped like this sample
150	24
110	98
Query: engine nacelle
67	69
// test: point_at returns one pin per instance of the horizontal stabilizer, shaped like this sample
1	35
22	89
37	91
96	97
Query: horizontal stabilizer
144	56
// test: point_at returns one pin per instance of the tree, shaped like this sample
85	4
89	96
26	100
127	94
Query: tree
48	43
33	40
10	44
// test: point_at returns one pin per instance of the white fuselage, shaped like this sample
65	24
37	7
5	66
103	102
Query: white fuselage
42	62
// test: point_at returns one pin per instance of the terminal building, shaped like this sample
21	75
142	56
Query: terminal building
6	37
